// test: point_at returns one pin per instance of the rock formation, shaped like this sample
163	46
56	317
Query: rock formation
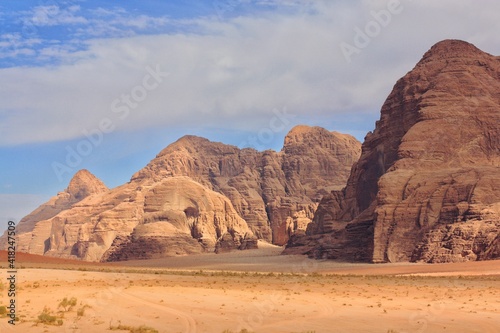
170	217
276	193
427	185
180	216
195	196
82	185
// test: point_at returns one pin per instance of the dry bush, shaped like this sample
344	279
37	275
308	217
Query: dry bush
46	318
67	304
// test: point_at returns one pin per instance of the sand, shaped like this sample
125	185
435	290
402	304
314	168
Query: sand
215	293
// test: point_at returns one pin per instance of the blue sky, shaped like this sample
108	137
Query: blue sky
116	82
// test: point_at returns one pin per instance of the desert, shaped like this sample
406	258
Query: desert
250	166
209	237
255	291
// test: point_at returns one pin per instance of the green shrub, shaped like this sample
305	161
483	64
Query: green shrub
46	318
68	304
131	329
143	329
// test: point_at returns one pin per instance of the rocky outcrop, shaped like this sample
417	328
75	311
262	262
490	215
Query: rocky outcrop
269	189
172	217
426	187
82	185
195	196
181	217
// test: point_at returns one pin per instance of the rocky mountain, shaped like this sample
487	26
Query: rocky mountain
427	184
195	196
276	193
81	185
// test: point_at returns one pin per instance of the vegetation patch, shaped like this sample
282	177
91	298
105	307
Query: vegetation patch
48	319
67	304
132	329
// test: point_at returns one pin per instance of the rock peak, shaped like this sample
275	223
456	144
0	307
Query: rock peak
84	184
452	48
300	129
429	173
316	136
193	143
192	138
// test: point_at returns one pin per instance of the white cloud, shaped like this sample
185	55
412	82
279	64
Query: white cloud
232	74
13	44
54	15
118	22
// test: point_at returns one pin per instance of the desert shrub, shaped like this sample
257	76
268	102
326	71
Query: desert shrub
3	310
46	318
67	304
131	329
81	311
143	329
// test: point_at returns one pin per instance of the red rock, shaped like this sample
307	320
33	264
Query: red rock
195	196
268	189
429	173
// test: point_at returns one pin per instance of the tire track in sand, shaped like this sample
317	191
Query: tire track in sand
188	321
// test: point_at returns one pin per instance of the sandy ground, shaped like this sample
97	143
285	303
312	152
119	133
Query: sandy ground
217	293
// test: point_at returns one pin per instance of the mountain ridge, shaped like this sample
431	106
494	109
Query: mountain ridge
243	195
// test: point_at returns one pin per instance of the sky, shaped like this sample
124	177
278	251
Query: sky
106	85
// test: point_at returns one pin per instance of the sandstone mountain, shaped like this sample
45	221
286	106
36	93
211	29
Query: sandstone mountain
427	185
81	185
276	193
195	196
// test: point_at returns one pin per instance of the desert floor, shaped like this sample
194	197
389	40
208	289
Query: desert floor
256	290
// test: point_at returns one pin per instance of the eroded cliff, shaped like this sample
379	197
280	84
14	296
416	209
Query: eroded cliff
426	187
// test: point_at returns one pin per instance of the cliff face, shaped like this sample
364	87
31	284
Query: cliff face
137	221
180	216
276	193
195	196
426	186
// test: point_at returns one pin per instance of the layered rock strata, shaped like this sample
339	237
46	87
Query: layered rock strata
276	193
195	196
427	184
